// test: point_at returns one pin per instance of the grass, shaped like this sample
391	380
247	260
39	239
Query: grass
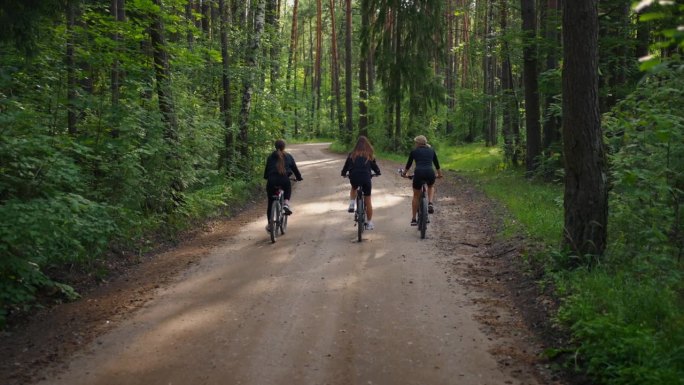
626	321
536	207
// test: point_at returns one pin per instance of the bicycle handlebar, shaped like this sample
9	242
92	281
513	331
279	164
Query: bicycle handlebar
403	174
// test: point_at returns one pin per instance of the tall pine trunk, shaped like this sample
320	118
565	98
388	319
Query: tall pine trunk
227	156
251	61
586	193
363	71
72	110
335	65
166	105
293	45
550	16
532	124
348	72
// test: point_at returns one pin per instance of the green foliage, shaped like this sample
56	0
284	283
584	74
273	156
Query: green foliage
626	315
646	137
629	329
39	233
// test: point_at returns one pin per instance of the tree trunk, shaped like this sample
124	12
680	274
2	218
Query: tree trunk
117	12
450	70
586	194
396	83
348	73
251	62
273	22
532	124
490	114
205	18
227	155
319	38
190	38
72	93
506	85
551	122
166	105
363	72
335	65
293	44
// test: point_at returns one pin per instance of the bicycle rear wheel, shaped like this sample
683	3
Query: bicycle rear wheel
360	216
423	216
273	221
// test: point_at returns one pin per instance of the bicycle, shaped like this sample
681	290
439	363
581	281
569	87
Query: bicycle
277	220
360	212
422	213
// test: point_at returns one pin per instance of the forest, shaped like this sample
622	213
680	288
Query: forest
124	121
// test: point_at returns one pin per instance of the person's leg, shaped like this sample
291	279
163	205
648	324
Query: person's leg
269	192
352	198
414	204
369	207
286	185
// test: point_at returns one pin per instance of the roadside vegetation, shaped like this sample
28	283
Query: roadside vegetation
625	311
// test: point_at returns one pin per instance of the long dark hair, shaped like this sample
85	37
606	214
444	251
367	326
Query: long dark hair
363	148
280	150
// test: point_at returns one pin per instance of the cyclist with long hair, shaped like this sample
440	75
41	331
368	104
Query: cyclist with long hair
359	164
279	166
425	157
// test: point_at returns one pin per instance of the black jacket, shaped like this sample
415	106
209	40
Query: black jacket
290	166
425	157
360	165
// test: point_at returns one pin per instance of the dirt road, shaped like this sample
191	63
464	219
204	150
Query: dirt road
317	307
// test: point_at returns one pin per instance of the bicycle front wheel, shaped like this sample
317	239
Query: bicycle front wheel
423	217
273	221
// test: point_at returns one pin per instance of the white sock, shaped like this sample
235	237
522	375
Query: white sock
351	203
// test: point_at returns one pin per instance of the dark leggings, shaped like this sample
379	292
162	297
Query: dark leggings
421	175
272	184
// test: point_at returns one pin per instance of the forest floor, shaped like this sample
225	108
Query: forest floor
225	305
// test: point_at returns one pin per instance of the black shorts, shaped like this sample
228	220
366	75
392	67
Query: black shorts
421	176
363	180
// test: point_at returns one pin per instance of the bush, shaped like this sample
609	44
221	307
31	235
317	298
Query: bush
41	233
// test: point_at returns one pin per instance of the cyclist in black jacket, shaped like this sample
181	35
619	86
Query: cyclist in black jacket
360	162
425	157
279	166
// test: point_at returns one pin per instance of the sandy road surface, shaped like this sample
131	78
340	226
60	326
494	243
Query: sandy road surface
316	307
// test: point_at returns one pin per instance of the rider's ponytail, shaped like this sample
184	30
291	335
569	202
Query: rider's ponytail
280	150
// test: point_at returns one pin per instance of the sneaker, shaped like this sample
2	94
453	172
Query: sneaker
350	209
268	228
414	222
286	209
370	225
431	208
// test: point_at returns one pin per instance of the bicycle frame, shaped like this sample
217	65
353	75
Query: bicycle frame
360	212
277	219
422	210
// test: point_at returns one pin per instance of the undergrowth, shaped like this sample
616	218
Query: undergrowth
626	313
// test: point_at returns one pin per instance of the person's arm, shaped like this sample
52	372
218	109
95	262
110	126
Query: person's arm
435	161
409	162
266	167
347	166
374	167
295	170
